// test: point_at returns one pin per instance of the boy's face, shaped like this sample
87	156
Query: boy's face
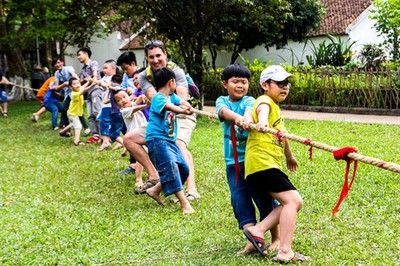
108	70
59	65
136	81
82	56
237	88
156	58
122	99
129	69
278	91
75	85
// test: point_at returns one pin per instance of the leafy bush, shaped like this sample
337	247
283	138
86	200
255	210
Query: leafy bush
335	53
346	86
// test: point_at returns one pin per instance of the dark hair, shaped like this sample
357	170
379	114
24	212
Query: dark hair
126	58
235	70
55	59
86	50
117	92
155	43
162	76
139	70
116	78
71	80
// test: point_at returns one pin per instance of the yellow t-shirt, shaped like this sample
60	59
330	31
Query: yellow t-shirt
76	105
264	150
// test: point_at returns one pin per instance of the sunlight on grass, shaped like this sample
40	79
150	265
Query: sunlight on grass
73	208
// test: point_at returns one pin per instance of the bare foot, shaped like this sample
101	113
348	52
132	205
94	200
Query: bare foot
274	246
155	194
248	249
187	208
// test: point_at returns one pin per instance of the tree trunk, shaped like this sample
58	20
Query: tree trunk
15	61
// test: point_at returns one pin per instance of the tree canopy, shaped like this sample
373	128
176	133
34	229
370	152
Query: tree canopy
234	25
193	25
68	22
387	16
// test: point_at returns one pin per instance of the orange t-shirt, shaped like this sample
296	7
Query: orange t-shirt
46	85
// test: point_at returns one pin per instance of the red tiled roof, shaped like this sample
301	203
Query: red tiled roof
339	15
135	43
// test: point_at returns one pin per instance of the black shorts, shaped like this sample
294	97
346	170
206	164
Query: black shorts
271	180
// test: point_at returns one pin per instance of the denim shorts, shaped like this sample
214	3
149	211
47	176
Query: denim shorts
3	95
117	126
170	164
242	201
104	118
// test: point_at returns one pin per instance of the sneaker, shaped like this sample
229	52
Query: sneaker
128	170
35	118
56	128
94	139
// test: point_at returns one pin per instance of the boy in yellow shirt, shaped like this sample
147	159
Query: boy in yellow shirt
263	167
76	107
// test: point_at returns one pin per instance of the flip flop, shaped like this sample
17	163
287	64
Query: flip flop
258	242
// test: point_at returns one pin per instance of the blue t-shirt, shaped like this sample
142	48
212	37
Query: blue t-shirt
162	123
50	96
63	76
240	107
127	82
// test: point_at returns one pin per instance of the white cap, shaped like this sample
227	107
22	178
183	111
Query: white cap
274	72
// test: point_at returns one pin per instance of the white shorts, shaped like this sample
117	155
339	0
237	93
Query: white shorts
75	122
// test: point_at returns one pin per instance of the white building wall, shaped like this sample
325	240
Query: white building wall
361	31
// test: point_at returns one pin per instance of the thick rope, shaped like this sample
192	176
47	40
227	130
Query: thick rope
20	86
352	155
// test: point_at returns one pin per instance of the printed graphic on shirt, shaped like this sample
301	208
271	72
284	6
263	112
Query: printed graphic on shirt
170	124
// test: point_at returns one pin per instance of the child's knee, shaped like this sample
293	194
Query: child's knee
299	202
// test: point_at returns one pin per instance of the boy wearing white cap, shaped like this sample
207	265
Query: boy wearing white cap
263	167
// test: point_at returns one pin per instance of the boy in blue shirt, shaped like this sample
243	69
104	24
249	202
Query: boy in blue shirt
234	111
161	140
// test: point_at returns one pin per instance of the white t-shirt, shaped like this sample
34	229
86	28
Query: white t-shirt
133	120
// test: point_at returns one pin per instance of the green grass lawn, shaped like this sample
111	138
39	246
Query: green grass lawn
74	209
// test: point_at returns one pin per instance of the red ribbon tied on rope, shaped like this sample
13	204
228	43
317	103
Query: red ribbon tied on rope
235	154
341	154
308	142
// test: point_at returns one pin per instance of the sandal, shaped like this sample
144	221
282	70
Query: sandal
258	242
148	184
79	143
192	195
5	114
297	258
87	134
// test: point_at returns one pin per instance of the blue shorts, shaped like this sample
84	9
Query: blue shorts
242	201
104	118
170	164
117	126
3	95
